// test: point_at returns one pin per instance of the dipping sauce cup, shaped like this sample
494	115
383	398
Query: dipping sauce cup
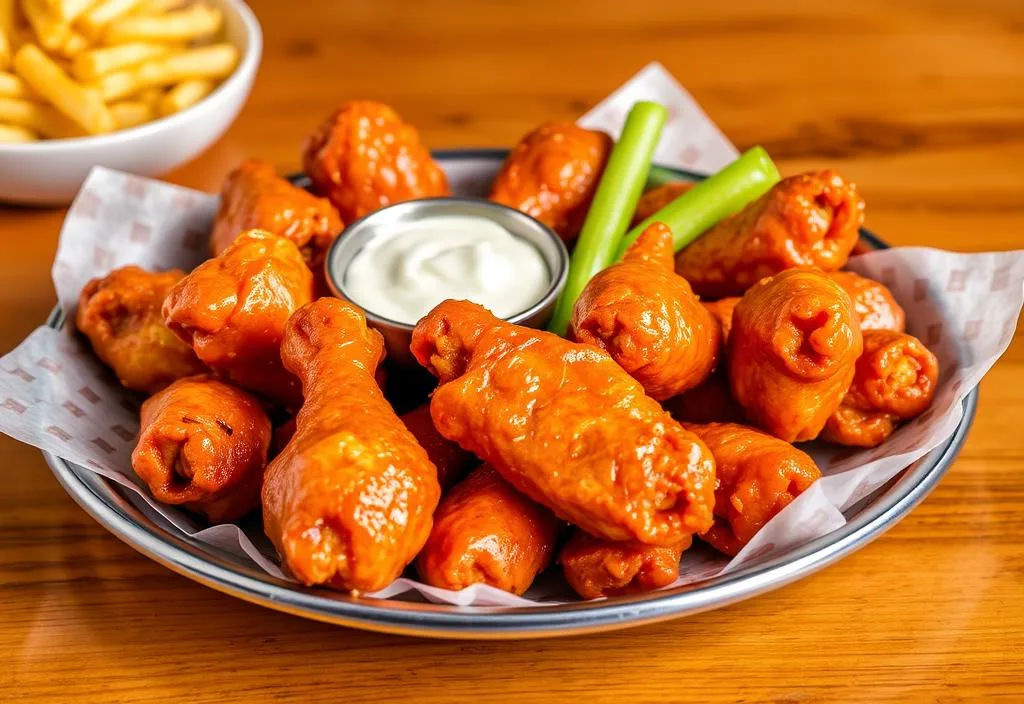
385	222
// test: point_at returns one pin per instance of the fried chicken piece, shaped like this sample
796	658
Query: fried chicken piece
895	381
872	301
758	476
120	314
792	351
232	310
723	309
348	502
254	196
486	532
647	318
594	567
812	219
565	425
203	445
552	174
657	198
452	461
710	402
364	157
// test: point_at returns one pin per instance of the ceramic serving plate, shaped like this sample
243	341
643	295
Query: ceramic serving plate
157	539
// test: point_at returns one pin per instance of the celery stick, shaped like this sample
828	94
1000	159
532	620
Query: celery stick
614	203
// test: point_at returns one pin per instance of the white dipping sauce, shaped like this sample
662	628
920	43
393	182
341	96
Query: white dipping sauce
403	273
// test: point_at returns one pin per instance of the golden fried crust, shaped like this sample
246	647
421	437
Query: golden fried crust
254	196
565	425
552	175
232	310
364	157
811	219
486	532
348	502
710	402
794	343
120	314
657	198
895	381
875	306
594	567
647	318
758	476
452	461
203	445
723	309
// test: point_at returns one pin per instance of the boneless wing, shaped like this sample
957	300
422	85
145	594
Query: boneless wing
894	381
792	351
594	567
873	302
255	197
203	445
552	175
647	318
565	425
812	219
486	532
364	157
758	476
232	310
120	314
348	502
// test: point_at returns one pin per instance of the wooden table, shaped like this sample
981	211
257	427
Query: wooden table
920	102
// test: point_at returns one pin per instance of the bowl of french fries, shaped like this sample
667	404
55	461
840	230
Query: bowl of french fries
136	85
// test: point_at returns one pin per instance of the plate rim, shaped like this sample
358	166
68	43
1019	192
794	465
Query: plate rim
449	621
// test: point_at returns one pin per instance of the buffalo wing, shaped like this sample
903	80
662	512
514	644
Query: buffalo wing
594	567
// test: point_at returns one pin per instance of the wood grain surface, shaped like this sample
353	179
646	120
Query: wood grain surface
920	102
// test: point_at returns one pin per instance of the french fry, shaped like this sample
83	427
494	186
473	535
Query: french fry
192	22
38	118
91	64
5	49
130	113
11	134
7	14
68	10
105	12
151	96
13	87
45	77
74	45
214	62
49	29
184	95
157	7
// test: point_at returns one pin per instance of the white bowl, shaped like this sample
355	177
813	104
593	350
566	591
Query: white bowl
49	172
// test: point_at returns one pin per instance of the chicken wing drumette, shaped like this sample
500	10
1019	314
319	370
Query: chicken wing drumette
792	350
657	198
594	567
873	301
452	461
120	314
232	310
348	502
812	219
364	157
565	425
552	175
895	381
203	445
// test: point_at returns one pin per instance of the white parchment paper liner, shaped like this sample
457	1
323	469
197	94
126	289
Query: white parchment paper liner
56	396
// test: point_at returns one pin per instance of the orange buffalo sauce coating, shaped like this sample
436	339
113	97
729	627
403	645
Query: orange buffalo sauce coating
120	314
895	381
232	310
486	532
758	476
875	306
565	425
552	175
647	318
254	196
710	402
594	567
723	309
657	198
812	219
794	343
203	445
452	461
348	502
364	157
